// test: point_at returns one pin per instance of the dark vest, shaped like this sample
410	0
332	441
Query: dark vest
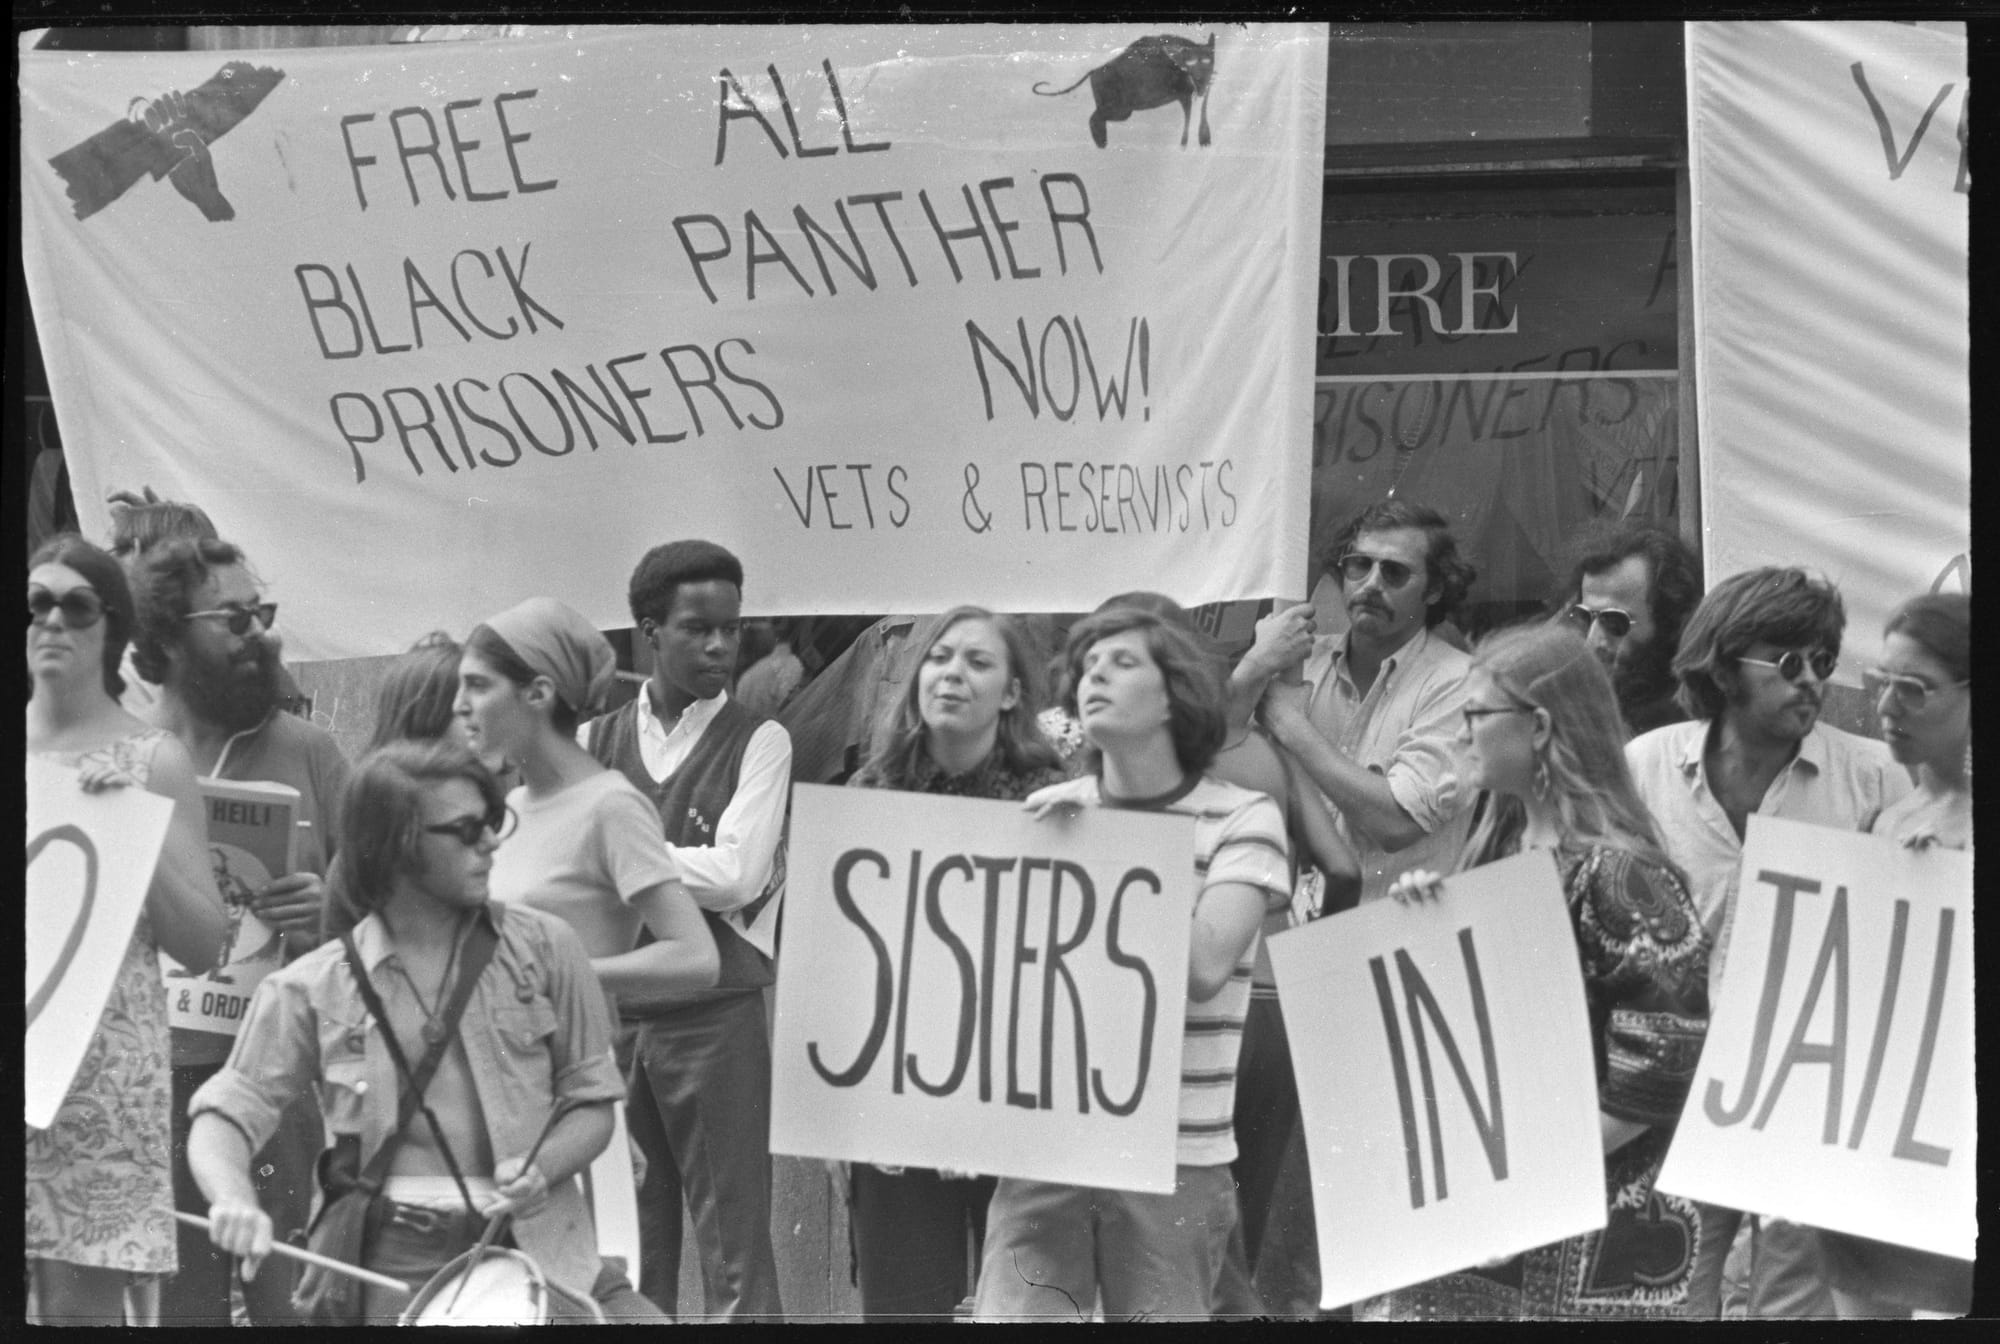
690	803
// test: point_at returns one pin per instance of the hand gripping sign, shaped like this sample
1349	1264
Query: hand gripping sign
90	859
1836	1084
964	986
1444	1068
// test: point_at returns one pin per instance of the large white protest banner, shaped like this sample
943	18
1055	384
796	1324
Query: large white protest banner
90	860
1451	1118
1828	172
1836	1084
964	986
899	314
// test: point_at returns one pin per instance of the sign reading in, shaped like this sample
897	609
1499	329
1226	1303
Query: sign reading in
964	986
90	860
1453	1118
1836	1084
460	307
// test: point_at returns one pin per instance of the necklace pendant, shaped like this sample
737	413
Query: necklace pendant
433	1032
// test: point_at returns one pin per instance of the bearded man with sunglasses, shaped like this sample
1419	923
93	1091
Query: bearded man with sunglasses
1629	595
1371	716
1753	667
203	637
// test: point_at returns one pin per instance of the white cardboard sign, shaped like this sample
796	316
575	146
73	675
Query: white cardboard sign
964	986
90	860
1836	1084
1444	1068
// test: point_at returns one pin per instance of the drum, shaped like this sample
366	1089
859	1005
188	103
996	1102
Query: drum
504	1288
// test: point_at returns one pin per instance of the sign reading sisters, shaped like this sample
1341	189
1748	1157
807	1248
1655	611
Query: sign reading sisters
900	312
1452	1117
964	986
1836	1084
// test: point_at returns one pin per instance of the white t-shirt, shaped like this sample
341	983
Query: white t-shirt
582	855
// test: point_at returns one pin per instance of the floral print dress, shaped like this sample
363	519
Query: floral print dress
100	1179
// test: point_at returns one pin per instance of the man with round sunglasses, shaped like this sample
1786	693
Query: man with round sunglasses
1629	594
1753	667
1371	715
521	1100
203	637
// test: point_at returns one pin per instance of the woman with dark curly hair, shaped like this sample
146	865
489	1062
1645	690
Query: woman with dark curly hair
100	1196
1150	701
965	727
1542	734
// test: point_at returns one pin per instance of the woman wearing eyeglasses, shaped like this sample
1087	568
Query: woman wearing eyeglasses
99	1180
588	846
1541	731
1923	694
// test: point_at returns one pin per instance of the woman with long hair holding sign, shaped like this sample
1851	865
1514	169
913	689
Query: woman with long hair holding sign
1922	691
1542	735
964	727
1150	702
100	1190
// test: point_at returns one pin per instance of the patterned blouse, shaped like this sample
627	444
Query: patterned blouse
1644	956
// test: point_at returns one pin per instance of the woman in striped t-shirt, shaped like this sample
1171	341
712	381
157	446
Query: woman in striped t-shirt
1151	706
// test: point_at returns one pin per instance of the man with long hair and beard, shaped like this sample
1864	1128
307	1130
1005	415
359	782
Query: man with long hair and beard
203	637
1633	588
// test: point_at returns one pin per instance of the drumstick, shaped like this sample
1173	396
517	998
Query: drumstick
498	1220
290	1251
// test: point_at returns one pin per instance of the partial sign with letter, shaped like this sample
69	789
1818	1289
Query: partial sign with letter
1443	1059
252	839
1836	1085
965	986
90	861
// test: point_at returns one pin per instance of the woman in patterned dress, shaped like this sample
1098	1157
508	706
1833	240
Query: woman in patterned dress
965	727
1543	736
99	1180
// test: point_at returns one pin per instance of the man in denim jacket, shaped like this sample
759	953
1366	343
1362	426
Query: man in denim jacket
421	823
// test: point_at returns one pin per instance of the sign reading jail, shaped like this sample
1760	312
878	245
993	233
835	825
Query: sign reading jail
965	986
1452	1117
1836	1084
90	860
900	313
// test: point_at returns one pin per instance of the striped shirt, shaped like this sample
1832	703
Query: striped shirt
1239	836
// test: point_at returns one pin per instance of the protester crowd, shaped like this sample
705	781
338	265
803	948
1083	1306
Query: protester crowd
521	907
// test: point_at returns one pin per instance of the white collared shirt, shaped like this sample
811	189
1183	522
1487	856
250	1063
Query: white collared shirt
1403	730
731	873
1836	779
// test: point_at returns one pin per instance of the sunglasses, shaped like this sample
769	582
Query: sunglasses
1793	662
469	831
1617	623
1472	716
81	608
1355	567
238	618
1912	693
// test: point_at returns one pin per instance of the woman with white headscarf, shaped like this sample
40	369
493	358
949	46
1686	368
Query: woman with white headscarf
588	846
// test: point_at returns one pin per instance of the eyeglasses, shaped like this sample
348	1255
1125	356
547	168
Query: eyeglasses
469	831
81	608
1617	623
1912	693
238	618
1473	714
1793	662
1355	567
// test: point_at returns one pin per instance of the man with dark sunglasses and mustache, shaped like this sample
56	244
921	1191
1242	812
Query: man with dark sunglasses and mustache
1753	667
1631	591
1371	716
203	637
